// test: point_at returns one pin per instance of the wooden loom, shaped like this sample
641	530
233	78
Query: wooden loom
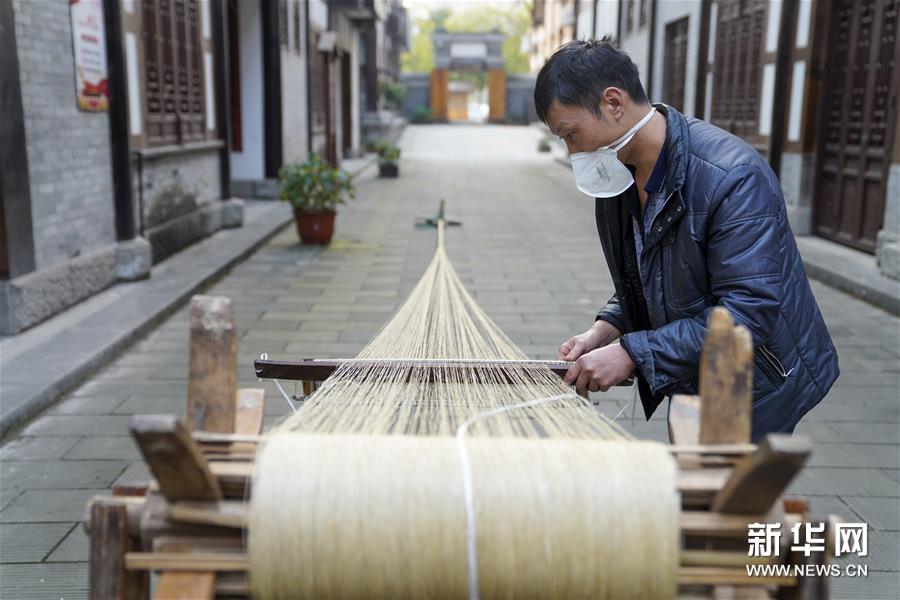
188	523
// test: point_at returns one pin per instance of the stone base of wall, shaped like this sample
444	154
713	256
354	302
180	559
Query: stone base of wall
797	179
172	236
30	299
887	252
259	189
887	249
27	300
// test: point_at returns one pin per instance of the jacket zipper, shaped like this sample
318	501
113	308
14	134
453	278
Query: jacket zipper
773	362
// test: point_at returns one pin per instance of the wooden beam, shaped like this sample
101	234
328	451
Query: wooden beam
175	460
212	377
110	540
726	381
760	478
684	419
249	416
186	585
314	369
184	561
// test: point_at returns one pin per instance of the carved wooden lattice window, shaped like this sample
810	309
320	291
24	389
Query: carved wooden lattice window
737	71
283	23
173	72
675	69
297	26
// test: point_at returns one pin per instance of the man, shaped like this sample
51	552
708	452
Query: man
690	217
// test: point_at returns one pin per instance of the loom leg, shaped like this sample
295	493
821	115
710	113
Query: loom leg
110	540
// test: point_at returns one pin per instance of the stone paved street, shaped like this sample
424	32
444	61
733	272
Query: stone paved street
528	250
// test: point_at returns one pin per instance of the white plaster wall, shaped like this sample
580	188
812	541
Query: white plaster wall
249	162
294	105
635	42
607	17
669	11
318	14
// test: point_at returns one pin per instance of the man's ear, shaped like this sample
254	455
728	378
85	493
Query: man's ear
612	102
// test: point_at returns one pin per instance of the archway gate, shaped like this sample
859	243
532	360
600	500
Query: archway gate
468	52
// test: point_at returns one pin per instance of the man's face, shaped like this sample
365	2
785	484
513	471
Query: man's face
581	129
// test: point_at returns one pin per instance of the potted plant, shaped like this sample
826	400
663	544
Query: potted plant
388	155
314	188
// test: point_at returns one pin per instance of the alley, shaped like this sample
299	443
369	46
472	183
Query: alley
527	249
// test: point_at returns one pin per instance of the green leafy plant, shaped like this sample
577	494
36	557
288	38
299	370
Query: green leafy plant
393	93
421	114
387	152
390	155
315	186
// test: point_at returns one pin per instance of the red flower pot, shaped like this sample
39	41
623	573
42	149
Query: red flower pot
315	228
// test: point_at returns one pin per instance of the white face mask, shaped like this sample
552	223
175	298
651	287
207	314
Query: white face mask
599	174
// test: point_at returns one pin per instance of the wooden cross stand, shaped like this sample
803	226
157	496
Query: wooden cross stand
189	523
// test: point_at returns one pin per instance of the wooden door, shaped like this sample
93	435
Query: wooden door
346	106
859	118
675	69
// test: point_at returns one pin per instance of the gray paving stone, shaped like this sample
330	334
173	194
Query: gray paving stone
48	506
30	542
77	425
854	455
844	482
75	547
47	474
44	580
872	433
36	448
104	448
135	474
140	404
879	513
88	405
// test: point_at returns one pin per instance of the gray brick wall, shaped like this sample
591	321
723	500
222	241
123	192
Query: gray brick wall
68	150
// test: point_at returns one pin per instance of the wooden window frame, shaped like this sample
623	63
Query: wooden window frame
175	37
738	69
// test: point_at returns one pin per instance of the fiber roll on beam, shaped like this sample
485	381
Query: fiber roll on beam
384	516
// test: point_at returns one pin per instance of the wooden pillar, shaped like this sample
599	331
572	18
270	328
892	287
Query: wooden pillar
212	379
110	539
726	381
497	94
439	79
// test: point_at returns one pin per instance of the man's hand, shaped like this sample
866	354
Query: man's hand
600	334
600	369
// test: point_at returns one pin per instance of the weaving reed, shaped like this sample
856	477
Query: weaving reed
397	481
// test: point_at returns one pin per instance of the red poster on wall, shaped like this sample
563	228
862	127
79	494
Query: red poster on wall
89	48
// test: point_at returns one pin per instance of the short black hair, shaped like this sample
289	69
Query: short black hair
580	70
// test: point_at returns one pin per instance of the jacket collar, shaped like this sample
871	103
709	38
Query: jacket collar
677	143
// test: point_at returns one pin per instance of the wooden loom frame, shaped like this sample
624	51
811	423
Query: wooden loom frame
188	524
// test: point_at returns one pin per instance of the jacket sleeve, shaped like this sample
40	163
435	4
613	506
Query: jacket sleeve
612	314
744	263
